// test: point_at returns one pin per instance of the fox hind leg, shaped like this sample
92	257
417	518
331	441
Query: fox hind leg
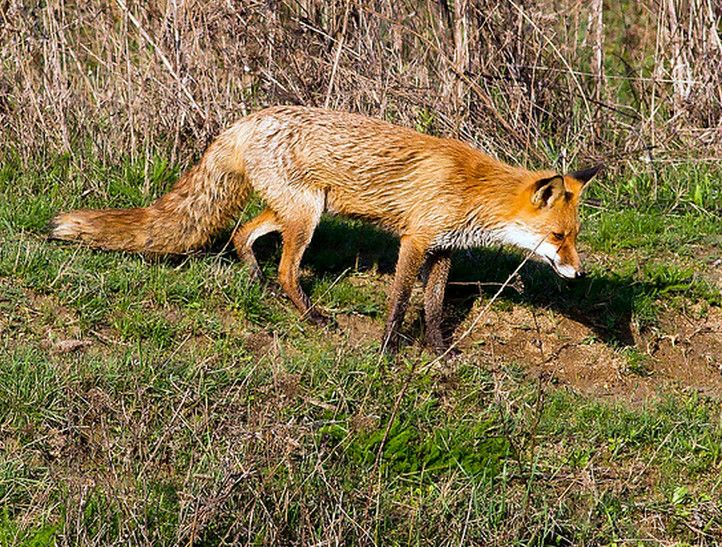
297	212
296	237
246	235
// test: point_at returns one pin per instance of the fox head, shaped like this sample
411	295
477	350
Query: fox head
546	220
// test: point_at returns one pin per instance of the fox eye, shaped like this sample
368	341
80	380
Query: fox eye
558	236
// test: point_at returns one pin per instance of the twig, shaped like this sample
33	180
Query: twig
337	58
161	56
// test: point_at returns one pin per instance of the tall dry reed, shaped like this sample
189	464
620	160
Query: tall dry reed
534	81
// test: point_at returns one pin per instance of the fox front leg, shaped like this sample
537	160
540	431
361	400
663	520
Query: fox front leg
438	265
411	257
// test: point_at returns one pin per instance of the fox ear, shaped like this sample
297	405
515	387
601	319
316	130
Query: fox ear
546	191
585	175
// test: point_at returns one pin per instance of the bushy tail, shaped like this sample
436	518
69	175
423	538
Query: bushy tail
201	203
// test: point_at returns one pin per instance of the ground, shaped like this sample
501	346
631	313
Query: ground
176	401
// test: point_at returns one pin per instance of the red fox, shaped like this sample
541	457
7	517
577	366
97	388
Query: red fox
436	194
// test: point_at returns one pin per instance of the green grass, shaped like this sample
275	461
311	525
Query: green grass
201	409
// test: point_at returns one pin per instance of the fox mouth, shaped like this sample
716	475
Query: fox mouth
559	272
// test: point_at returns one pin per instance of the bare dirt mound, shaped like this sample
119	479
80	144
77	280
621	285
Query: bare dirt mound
683	352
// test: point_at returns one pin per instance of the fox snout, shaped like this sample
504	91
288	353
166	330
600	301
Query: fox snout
566	271
566	263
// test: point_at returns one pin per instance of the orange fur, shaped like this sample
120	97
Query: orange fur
436	194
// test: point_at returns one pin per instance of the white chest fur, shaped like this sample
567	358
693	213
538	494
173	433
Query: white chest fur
471	236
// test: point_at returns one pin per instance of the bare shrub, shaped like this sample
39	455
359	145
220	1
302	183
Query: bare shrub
534	81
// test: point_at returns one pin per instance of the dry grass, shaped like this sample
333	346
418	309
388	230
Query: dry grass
539	81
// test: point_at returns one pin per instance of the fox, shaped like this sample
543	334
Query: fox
436	194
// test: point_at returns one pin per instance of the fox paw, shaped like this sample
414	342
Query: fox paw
438	347
319	319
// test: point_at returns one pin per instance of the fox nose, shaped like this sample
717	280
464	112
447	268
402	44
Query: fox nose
580	274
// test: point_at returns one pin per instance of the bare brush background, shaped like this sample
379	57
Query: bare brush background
530	81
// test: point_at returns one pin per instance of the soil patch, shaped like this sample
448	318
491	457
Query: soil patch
683	352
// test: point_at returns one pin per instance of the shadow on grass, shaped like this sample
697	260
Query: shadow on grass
605	303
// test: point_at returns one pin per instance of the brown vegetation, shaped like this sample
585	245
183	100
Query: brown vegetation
638	80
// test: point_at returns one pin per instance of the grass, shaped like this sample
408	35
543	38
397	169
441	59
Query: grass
199	409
